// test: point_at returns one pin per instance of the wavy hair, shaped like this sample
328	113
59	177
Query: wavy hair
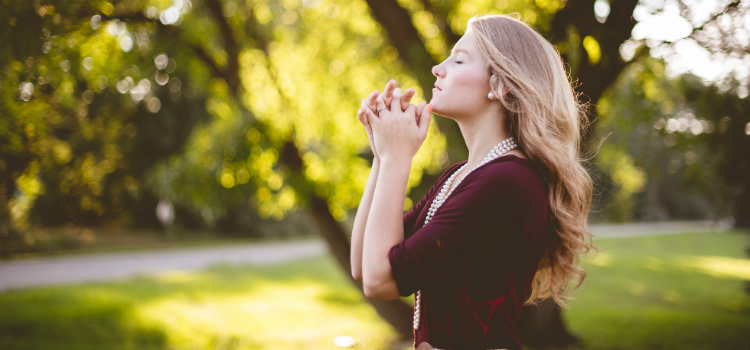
543	113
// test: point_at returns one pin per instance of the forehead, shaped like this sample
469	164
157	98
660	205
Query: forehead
466	45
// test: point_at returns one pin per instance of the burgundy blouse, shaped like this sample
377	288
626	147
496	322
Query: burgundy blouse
475	260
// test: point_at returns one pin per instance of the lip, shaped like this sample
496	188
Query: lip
437	88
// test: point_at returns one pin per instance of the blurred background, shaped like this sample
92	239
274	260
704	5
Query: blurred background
133	130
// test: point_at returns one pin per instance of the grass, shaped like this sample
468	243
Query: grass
663	292
303	305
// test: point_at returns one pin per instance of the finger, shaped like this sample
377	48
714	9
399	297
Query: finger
424	120
418	114
372	117
388	91
380	106
380	103
410	109
397	97
361	115
371	99
366	103
363	119
406	98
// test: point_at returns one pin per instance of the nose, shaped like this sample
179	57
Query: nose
437	71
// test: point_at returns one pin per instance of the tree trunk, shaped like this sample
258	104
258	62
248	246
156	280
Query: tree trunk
541	327
742	208
395	312
5	220
10	239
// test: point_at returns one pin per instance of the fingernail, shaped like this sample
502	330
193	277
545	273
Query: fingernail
429	107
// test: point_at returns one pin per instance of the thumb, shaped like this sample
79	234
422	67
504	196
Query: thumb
424	120
418	115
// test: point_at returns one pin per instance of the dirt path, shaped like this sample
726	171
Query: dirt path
118	265
655	228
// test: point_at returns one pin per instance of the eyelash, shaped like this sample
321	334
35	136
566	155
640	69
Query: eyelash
458	62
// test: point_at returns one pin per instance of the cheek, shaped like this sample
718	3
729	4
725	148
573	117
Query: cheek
471	83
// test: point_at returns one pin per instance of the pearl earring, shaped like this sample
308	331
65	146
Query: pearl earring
491	96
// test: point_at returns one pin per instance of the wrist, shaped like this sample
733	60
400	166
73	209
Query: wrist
395	162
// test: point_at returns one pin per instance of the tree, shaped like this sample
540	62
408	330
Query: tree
680	145
80	124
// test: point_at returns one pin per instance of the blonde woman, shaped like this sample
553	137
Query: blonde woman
504	228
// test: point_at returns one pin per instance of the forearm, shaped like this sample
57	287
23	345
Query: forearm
360	220
384	229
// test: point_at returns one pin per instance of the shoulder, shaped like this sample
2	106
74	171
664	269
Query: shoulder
510	168
510	175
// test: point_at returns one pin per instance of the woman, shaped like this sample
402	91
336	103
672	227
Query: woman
504	228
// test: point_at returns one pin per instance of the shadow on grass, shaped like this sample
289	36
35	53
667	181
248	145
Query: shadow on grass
229	307
665	292
63	319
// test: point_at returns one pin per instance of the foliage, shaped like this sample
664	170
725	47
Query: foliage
294	91
105	91
87	110
682	146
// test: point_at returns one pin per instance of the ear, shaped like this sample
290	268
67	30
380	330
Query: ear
502	88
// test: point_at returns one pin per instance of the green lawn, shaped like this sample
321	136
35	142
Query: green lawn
664	292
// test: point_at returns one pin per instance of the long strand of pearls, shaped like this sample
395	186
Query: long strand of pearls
498	151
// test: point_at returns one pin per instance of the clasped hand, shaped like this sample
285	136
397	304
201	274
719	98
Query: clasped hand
399	128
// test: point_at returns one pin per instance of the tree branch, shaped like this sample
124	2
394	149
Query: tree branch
440	17
231	71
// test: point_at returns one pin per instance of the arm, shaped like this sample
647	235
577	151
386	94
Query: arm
384	230
397	139
360	220
363	210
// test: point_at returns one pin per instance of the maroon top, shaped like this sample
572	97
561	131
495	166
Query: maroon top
475	260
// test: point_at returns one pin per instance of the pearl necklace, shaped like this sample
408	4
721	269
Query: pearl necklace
498	151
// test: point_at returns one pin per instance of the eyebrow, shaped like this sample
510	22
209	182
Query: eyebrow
460	50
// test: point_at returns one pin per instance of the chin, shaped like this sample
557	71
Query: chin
436	109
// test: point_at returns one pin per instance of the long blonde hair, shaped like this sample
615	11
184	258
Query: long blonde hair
544	115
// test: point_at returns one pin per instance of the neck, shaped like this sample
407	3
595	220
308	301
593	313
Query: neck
481	134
